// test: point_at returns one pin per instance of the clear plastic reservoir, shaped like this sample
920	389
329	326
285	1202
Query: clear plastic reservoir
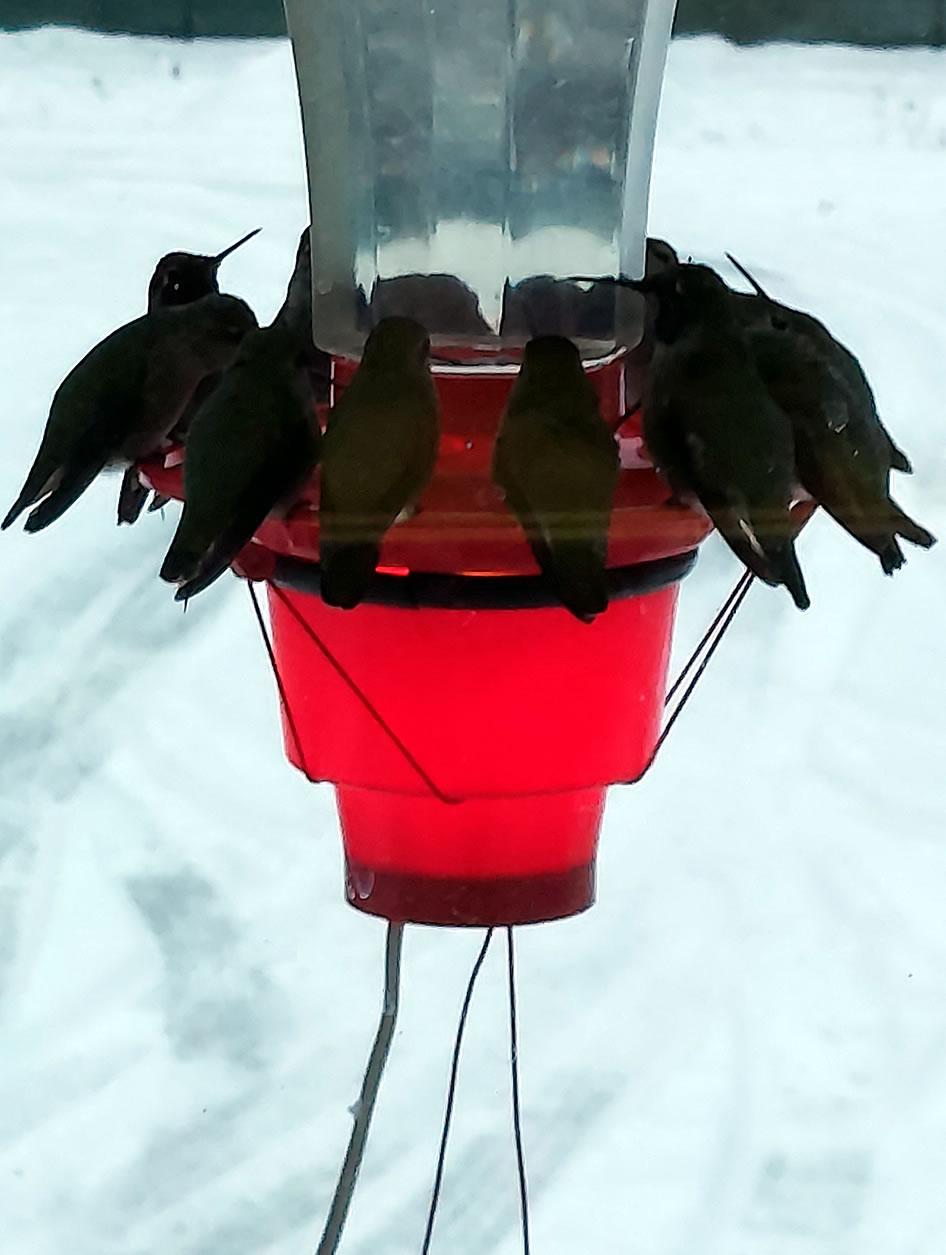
466	158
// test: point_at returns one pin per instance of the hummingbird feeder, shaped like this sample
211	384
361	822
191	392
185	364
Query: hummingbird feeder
464	160
459	172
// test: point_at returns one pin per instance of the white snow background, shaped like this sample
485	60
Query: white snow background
742	1049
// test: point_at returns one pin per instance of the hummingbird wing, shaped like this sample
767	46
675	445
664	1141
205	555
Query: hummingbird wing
733	448
275	480
90	414
378	456
248	449
842	450
173	375
131	496
91	450
76	478
560	484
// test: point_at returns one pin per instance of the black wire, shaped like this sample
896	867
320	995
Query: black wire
297	740
516	1105
363	698
452	1092
734	601
745	580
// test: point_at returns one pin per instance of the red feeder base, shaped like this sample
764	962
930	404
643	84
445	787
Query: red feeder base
478	863
469	723
458	804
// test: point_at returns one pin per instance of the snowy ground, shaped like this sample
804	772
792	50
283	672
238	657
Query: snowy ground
742	1049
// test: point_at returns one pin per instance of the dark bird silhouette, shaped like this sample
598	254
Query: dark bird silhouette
178	279
541	305
712	427
252	446
378	455
761	312
843	452
119	403
556	461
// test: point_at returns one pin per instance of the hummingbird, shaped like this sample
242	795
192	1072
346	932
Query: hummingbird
440	301
178	279
119	403
843	452
712	427
542	305
557	463
253	445
659	256
762	312
378	455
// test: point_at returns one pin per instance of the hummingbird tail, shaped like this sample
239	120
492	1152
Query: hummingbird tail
209	570
23	500
158	502
181	560
347	570
576	572
785	566
221	554
41	479
910	530
888	551
777	562
131	497
75	480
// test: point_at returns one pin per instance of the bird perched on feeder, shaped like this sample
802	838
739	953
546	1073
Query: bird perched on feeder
378	455
178	279
253	444
843	451
542	305
442	302
124	397
556	461
761	312
712	427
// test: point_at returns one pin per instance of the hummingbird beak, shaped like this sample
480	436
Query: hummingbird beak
758	288
233	247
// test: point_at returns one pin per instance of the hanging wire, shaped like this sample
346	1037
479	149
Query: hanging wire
283	698
739	593
348	1177
710	643
362	697
516	1104
452	1092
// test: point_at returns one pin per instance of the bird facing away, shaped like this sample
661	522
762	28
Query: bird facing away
713	429
252	446
119	403
556	461
178	279
843	452
378	455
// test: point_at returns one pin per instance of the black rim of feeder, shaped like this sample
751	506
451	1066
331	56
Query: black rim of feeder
421	589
